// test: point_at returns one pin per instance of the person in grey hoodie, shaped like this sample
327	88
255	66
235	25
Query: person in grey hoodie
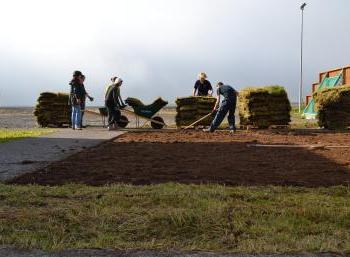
114	103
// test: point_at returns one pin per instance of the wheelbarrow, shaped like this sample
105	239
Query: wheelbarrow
123	121
141	111
146	112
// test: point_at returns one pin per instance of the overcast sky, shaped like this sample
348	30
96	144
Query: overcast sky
159	46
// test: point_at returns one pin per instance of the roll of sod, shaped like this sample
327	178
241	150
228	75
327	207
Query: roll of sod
262	107
53	110
333	107
190	109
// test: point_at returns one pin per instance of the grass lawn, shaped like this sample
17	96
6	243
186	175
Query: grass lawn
173	216
12	134
300	122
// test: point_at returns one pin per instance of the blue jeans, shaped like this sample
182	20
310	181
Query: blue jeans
76	116
227	105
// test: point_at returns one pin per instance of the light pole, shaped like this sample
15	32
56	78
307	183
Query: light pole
301	56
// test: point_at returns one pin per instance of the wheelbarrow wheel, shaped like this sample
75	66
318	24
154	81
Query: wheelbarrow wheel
156	125
123	121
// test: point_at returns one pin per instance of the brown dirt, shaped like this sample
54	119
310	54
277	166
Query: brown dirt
197	157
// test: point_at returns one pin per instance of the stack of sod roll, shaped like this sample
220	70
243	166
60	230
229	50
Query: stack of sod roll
190	109
333	107
262	107
53	109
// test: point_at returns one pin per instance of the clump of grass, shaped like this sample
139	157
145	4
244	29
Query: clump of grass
13	134
173	216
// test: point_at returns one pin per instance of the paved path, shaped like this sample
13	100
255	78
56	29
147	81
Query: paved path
12	252
26	155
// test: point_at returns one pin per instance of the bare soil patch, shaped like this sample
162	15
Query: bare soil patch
197	157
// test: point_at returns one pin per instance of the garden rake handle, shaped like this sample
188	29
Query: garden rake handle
197	121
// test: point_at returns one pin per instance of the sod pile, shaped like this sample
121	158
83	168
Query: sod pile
262	107
190	109
333	107
53	110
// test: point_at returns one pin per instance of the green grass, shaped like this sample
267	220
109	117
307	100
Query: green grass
172	216
274	90
13	134
299	122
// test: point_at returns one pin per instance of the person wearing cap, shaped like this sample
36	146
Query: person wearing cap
74	81
76	97
83	103
113	79
114	103
228	105
202	87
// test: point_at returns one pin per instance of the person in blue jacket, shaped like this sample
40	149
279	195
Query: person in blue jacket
228	105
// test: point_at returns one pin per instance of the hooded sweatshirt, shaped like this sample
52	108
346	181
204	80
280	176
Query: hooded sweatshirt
112	96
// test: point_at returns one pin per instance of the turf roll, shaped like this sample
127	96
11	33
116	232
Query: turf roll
53	110
333	107
191	109
262	107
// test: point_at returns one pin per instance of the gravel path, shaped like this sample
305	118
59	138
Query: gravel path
12	252
24	118
26	155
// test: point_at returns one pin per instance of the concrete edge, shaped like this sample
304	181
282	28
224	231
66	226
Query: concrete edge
7	181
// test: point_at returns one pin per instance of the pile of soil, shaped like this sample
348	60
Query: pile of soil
197	157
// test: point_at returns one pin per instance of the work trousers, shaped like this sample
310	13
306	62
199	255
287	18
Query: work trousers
227	105
113	115
82	106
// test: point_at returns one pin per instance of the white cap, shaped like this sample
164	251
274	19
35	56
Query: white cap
118	81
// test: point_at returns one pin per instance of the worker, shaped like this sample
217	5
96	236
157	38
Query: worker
75	80
114	103
113	79
202	87
83	103
75	98
228	104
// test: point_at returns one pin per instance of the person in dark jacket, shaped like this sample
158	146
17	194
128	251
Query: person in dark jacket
75	80
228	105
76	97
114	103
202	87
83	103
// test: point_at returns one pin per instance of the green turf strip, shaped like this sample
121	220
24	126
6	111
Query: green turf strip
172	216
12	134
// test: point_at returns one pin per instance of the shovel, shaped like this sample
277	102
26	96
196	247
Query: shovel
197	121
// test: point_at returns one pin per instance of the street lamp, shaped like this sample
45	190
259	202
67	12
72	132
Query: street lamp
301	57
